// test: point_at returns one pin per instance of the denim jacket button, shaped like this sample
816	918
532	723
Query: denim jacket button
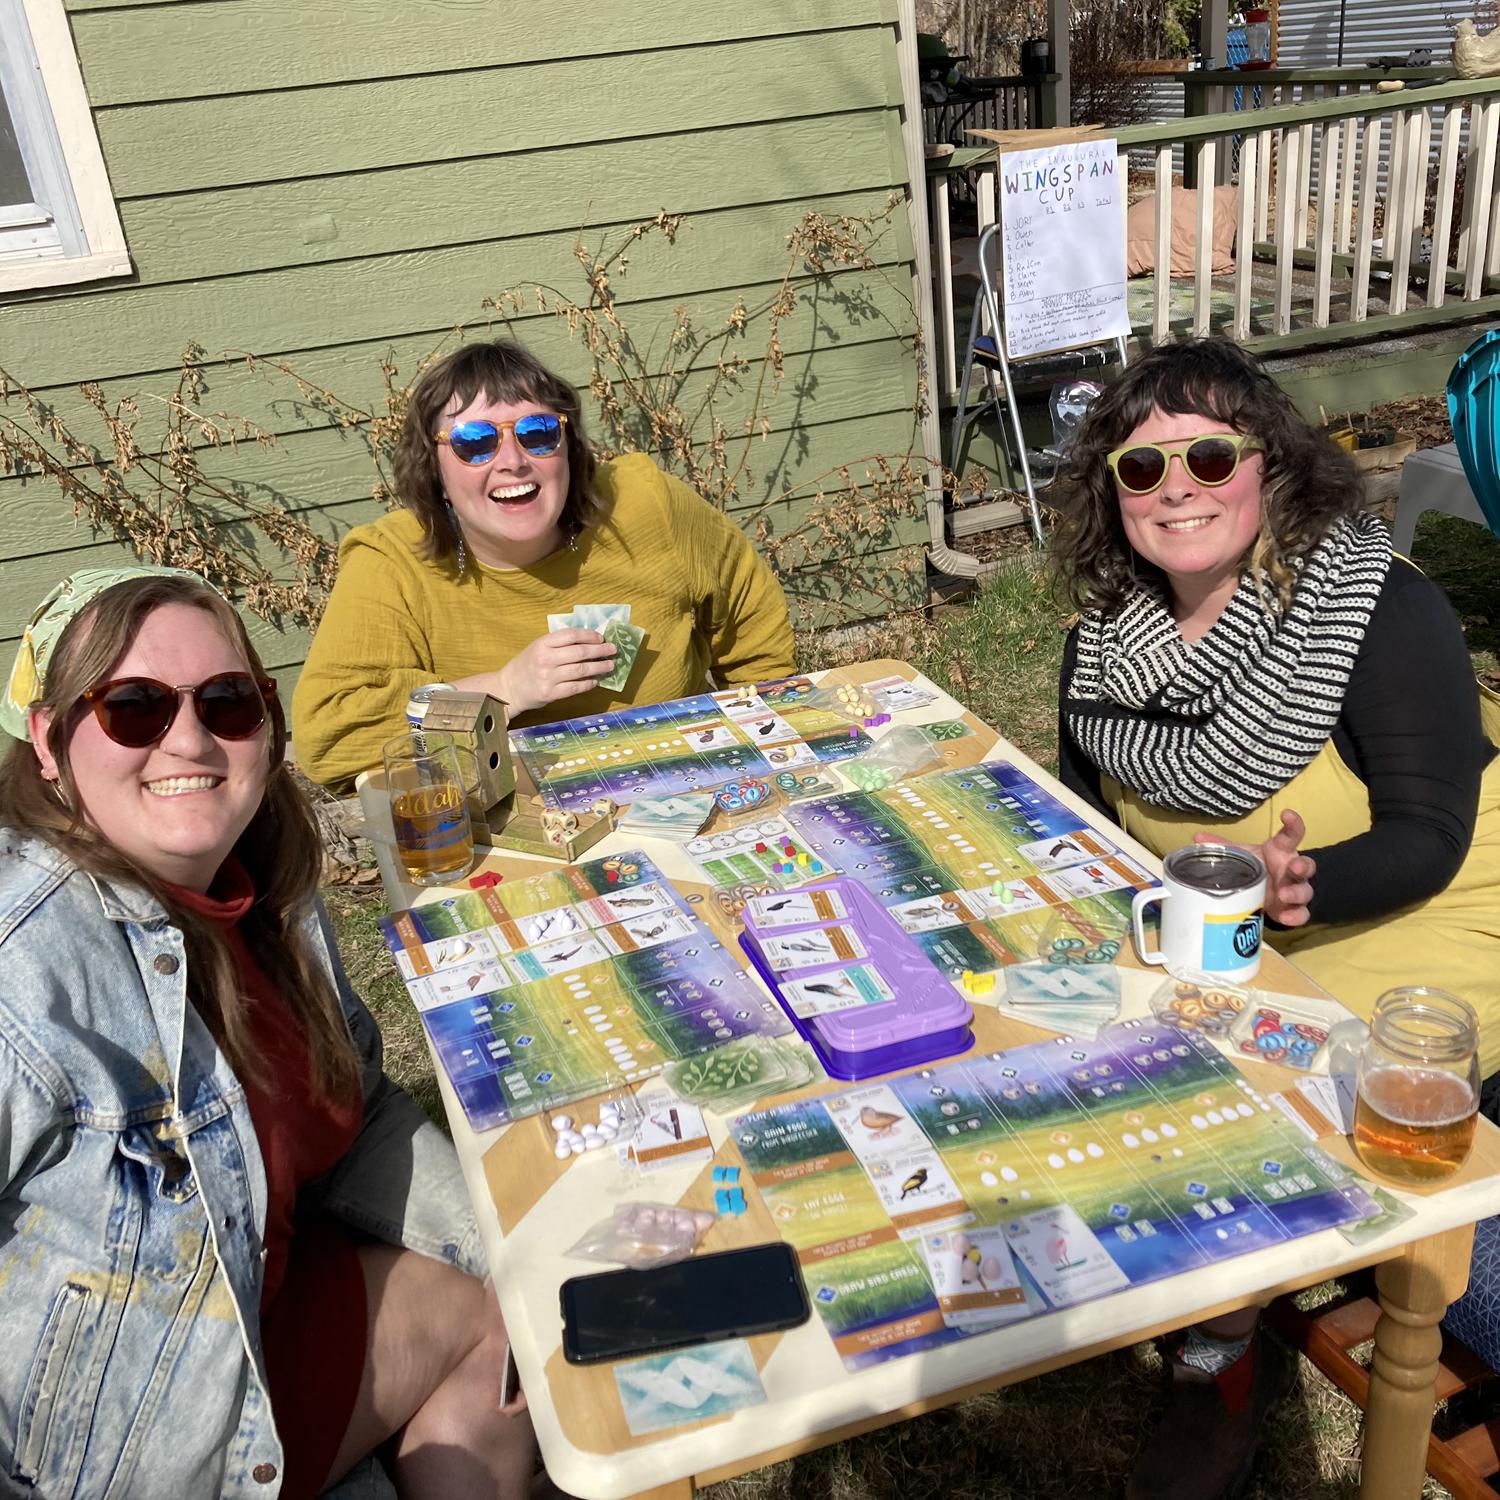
165	963
263	1473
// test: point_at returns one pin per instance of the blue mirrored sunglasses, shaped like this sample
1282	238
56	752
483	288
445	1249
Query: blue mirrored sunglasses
539	434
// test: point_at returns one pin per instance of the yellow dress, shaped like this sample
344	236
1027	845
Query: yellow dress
1451	940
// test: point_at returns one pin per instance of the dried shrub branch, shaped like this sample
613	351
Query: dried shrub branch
829	539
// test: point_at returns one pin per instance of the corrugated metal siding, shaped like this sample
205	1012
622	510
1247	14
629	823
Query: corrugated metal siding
1165	97
1307	33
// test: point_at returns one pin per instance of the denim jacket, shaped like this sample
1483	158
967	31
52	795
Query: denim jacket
132	1200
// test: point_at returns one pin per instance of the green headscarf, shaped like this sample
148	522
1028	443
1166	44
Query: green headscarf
28	675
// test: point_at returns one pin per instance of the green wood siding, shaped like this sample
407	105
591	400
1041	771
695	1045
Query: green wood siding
329	184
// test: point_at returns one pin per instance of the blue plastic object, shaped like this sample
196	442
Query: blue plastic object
1474	411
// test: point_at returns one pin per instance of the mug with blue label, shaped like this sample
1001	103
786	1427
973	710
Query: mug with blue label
1210	898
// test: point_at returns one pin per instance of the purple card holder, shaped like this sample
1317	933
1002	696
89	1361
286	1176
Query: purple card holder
928	1019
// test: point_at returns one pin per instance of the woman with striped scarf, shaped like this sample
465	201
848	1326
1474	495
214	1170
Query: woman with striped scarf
1251	664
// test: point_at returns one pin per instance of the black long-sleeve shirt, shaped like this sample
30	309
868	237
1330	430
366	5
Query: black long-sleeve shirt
1409	729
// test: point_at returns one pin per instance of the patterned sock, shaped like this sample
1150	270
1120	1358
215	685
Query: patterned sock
1225	1360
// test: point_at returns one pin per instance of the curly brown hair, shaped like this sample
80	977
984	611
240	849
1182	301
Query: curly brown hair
504	372
1307	483
280	848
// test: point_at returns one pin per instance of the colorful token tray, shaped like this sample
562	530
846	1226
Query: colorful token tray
857	987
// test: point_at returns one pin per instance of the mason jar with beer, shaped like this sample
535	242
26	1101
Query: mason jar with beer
1417	1086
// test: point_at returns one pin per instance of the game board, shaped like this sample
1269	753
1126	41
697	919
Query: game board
982	866
539	991
960	1198
686	745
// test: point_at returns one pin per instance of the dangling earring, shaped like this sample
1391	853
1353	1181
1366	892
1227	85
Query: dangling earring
55	787
460	554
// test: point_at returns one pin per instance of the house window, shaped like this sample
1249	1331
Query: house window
58	223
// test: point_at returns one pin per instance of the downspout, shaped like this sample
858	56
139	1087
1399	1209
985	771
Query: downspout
942	557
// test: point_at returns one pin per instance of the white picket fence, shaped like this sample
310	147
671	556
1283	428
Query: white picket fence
1336	190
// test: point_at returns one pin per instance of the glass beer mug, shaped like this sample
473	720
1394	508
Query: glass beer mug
429	807
1417	1086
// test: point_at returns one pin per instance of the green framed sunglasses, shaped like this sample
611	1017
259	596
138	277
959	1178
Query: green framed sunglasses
1211	460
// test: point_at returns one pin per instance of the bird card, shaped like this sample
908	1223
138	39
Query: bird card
450	952
670	1133
742	703
789	755
482	976
975	1279
834	990
1098	877
708	734
915	1189
874	1121
933	913
1064	1258
768	729
666	1390
1070	849
652	930
633	901
894	694
1013	896
835	944
795	908
561	958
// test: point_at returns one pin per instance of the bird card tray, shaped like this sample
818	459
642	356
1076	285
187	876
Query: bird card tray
856	986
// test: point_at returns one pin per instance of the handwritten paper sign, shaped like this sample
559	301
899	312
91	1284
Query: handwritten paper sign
1062	239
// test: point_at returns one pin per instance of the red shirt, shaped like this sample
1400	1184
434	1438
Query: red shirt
312	1298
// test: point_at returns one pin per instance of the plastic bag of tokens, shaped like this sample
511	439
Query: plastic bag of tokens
639	1235
1199	1002
1285	1029
1071	938
618	1117
902	752
850	700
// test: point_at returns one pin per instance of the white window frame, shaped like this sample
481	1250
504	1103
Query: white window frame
74	233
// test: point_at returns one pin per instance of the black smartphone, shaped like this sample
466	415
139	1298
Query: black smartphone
729	1294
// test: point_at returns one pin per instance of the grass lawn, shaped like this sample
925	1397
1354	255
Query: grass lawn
1074	1432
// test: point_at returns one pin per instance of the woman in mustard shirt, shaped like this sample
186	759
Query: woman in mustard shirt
507	518
1252	664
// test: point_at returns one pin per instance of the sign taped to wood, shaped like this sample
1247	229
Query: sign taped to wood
1062	238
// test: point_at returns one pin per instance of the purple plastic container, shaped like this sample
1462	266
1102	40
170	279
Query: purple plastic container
924	1019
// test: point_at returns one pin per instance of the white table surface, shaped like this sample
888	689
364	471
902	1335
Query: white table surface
807	1387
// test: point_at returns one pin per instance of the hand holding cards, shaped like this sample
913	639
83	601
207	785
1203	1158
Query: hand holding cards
612	621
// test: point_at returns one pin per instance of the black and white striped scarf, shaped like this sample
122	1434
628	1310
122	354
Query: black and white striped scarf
1218	726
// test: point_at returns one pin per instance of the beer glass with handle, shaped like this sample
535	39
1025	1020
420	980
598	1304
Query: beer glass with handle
429	807
1417	1086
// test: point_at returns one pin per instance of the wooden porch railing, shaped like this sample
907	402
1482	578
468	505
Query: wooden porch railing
1321	256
